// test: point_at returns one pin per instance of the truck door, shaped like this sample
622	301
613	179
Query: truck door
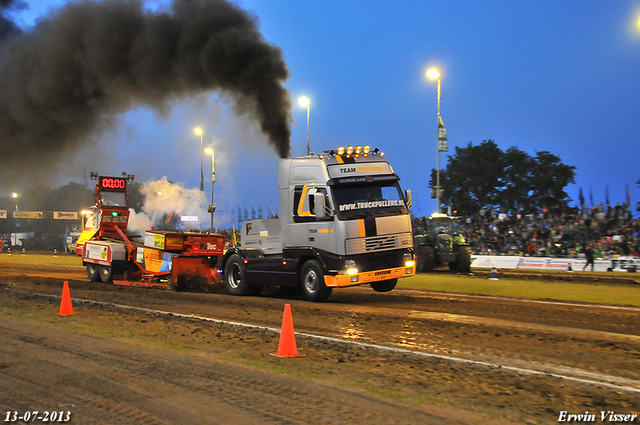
312	228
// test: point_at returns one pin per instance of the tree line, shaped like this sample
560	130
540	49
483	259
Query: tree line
512	181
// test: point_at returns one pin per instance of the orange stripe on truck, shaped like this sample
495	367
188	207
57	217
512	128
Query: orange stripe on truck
362	231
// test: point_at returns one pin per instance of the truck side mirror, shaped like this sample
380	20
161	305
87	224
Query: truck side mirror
407	197
320	203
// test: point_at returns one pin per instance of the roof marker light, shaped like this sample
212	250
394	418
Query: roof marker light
349	150
341	150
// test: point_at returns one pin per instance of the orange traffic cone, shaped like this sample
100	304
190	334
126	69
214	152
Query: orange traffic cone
66	309
287	344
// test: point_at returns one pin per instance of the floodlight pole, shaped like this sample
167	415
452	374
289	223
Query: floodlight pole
438	155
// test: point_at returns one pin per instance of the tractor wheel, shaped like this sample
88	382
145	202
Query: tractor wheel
464	259
106	273
93	271
312	282
384	285
453	265
425	259
235	279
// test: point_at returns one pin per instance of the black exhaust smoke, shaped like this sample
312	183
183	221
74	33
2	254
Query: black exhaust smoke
7	27
94	59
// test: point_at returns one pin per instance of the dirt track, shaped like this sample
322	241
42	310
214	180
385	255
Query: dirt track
122	366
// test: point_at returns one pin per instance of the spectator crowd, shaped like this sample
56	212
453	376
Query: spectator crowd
610	232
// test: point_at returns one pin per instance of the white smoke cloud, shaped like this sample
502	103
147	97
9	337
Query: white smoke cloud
164	198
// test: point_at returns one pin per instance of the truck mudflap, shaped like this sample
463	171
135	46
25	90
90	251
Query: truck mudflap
342	280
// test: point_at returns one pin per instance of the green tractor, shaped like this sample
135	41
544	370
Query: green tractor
441	243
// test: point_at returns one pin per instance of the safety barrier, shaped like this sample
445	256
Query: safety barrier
621	264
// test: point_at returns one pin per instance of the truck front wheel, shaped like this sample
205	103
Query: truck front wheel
93	272
235	278
312	282
384	285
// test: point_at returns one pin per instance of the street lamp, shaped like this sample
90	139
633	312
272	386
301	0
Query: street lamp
198	131
306	103
435	74
212	208
83	214
15	235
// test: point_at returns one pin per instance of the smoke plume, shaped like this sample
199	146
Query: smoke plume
8	28
162	199
92	60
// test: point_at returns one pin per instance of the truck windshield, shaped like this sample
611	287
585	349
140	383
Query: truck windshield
113	199
368	200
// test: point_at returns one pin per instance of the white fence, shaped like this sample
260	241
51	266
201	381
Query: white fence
546	263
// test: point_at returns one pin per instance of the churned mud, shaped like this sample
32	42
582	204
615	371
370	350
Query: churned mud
401	357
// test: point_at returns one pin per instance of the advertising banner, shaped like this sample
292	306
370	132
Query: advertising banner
543	263
489	261
621	264
65	215
154	260
28	214
99	253
365	169
442	137
546	263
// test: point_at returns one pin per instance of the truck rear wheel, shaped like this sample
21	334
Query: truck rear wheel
106	273
312	282
235	278
384	285
93	272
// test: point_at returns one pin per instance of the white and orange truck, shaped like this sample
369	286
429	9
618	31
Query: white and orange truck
344	221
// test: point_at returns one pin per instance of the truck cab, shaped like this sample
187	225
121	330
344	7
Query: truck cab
344	221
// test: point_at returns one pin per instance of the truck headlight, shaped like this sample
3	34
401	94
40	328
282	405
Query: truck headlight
409	260
350	268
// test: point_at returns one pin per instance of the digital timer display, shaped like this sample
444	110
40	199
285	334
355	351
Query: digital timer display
112	183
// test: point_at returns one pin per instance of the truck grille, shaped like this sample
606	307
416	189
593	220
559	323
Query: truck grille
378	243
